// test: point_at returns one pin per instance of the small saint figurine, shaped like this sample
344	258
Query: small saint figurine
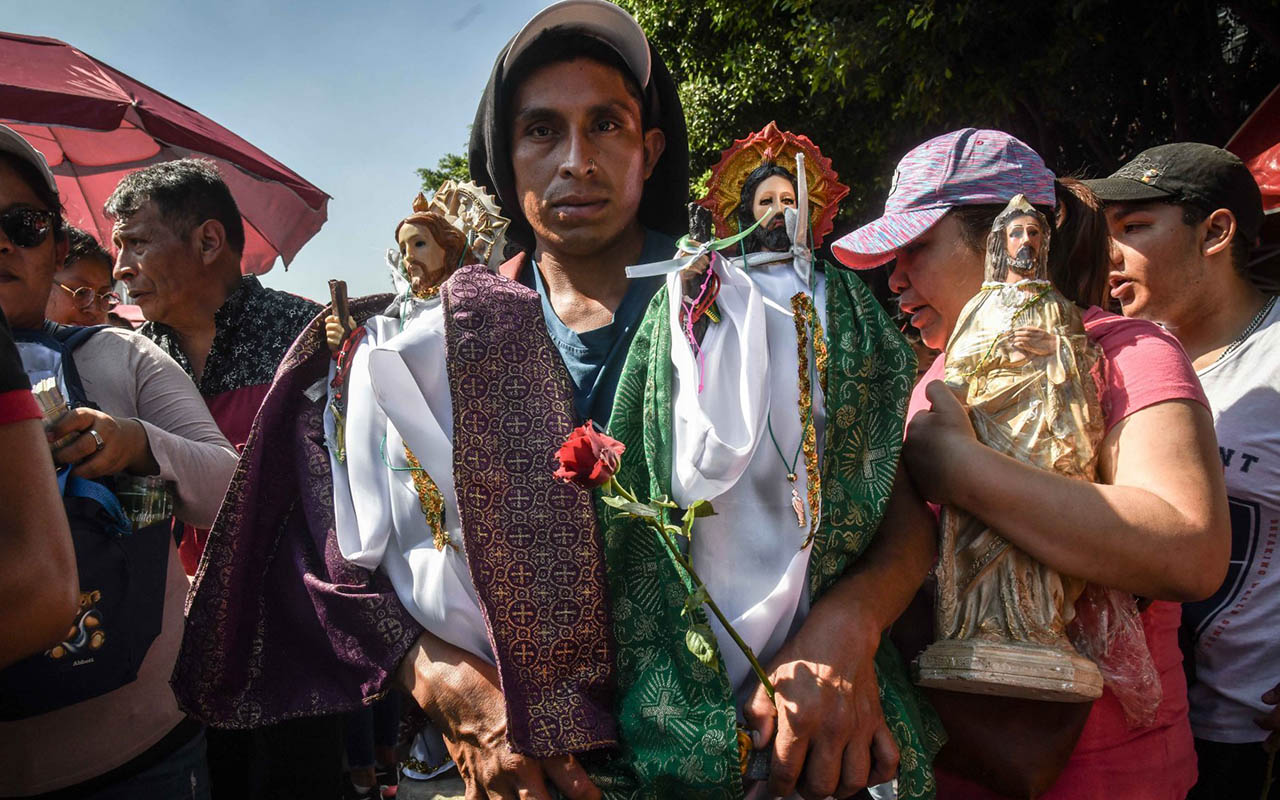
1020	360
430	249
459	225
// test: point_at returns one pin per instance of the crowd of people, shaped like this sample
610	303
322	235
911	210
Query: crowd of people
360	511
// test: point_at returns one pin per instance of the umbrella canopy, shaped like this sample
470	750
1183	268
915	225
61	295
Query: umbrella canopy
1257	143
95	124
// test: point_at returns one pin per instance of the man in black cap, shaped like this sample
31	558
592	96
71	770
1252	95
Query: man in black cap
581	136
1184	218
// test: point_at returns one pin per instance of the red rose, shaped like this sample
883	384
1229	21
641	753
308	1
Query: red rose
588	457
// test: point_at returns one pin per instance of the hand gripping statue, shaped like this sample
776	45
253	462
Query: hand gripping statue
1020	360
773	386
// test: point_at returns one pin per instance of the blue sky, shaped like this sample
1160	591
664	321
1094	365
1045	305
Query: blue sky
351	96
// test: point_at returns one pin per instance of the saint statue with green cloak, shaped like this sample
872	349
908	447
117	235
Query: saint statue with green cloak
773	386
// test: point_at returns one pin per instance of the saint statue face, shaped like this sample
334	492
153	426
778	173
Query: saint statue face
422	256
1023	238
774	193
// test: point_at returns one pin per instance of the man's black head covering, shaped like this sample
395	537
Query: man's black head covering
662	207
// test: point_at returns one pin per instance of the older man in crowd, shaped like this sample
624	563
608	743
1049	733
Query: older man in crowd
179	238
1184	218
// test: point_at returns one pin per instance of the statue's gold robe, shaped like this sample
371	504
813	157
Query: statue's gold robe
1042	409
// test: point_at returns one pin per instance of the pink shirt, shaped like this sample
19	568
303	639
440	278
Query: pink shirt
234	411
1142	365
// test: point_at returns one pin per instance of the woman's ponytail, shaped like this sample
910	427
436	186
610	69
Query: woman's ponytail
1080	251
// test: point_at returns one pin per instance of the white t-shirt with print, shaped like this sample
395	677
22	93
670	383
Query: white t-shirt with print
1236	632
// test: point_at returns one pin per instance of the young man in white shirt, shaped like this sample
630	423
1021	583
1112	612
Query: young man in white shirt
1184	218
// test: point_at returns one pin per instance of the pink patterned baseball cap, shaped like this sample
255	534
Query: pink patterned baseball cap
964	167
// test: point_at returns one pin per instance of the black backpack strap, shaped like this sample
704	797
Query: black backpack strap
72	336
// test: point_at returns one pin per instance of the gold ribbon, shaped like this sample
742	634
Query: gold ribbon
802	308
431	501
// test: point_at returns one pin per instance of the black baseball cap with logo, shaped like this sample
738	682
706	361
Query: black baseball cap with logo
1188	172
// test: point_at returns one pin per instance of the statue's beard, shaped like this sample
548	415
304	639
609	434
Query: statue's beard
420	277
773	239
1024	262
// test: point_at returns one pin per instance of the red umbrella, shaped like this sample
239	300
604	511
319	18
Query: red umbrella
95	124
1257	143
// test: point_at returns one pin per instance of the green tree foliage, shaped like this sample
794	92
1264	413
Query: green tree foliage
1087	83
451	165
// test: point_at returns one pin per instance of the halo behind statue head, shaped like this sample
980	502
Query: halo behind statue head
772	145
473	211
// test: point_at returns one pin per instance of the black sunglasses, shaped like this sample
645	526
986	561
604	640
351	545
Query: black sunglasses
27	227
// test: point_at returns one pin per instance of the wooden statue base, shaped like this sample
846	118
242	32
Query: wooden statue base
1008	669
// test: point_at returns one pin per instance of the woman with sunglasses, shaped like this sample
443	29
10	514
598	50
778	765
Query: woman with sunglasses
1156	525
82	289
149	420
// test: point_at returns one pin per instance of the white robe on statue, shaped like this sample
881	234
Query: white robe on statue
398	393
748	553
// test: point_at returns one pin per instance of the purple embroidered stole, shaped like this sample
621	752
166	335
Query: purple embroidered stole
279	624
532	542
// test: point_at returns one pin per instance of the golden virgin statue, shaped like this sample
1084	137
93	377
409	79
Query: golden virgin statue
1020	360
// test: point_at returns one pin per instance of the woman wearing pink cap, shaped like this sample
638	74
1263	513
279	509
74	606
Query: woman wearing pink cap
1156	525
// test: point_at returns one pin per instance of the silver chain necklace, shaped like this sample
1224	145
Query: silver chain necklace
1253	326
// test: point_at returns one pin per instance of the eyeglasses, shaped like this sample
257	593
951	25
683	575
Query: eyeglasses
85	297
27	227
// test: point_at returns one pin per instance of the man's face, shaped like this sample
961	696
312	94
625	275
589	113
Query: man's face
423	257
774	193
1156	266
580	155
1023	238
164	271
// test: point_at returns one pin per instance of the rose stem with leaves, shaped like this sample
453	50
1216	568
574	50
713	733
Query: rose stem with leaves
680	559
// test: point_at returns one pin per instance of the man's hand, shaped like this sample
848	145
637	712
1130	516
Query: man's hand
1271	720
460	694
123	445
828	730
936	444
